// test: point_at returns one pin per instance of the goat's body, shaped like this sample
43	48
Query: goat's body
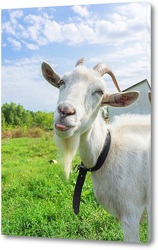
122	185
122	196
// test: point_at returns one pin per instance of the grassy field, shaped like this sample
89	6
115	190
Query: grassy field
37	199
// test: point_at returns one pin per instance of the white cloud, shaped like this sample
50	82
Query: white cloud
138	17
4	45
130	51
32	46
14	15
53	31
36	19
111	27
8	28
14	43
23	83
81	10
33	32
127	22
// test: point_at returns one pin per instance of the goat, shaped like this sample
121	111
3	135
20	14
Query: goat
122	185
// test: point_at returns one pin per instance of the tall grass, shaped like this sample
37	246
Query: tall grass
37	199
23	131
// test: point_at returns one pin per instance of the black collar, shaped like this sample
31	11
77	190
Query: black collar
83	171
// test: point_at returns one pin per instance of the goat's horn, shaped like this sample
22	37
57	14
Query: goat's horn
80	62
103	69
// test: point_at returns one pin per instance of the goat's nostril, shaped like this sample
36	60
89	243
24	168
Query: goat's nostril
71	111
66	110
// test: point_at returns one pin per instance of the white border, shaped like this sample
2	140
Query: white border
18	243
7	4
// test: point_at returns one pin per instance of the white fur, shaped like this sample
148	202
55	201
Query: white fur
123	184
68	147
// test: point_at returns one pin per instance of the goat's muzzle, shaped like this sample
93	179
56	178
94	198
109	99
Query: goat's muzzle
66	109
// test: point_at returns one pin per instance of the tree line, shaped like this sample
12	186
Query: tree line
14	115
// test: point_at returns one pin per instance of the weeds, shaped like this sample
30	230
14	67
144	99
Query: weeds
20	132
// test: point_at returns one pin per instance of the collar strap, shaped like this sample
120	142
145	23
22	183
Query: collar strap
83	171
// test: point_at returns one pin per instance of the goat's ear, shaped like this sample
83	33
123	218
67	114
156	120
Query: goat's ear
50	75
121	99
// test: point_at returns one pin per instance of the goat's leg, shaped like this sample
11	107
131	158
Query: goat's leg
130	226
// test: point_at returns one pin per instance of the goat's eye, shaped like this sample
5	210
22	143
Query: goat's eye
99	91
61	82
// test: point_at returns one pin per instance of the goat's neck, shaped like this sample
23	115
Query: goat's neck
92	141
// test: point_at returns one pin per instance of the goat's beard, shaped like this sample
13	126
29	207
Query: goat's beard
68	147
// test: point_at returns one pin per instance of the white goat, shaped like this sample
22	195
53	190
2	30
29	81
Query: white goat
122	185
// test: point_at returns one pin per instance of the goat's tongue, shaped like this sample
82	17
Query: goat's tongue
61	127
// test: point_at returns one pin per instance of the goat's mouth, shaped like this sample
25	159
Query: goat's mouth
64	131
61	127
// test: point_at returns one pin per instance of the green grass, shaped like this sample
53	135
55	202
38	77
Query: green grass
37	199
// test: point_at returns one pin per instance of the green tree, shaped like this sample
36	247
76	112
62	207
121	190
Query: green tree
16	115
3	122
44	120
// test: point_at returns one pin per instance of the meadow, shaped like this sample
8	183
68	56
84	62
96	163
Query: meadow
37	198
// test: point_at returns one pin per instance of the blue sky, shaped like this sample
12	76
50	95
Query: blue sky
116	34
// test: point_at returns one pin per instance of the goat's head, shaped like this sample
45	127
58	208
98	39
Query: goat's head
81	93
